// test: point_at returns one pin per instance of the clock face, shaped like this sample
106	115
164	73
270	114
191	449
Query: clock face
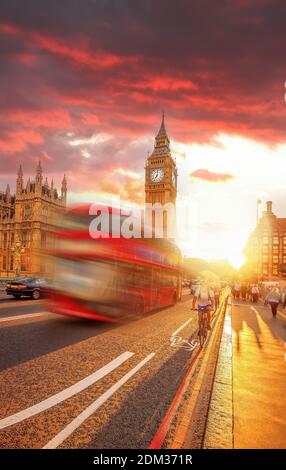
157	175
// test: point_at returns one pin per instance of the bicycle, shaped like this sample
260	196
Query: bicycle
203	323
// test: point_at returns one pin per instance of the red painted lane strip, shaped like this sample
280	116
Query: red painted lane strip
163	429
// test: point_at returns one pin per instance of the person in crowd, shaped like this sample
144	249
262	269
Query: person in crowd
248	292
193	291
283	297
243	291
273	298
216	293
237	287
255	293
266	293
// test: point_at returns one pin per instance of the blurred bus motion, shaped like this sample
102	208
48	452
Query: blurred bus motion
110	279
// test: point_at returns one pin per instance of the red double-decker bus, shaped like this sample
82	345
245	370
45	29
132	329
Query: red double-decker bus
110	279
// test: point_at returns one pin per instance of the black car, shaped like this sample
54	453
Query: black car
26	287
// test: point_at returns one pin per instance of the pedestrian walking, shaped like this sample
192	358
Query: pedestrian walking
237	290
284	298
273	299
255	293
243	291
216	292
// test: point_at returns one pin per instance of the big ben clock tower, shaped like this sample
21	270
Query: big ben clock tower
161	177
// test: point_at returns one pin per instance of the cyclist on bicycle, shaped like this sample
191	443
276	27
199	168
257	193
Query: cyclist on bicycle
205	298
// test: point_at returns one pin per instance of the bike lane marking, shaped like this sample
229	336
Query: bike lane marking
66	393
75	423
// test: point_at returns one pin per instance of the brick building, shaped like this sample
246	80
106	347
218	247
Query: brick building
266	247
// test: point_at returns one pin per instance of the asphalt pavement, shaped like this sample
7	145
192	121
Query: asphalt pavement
79	384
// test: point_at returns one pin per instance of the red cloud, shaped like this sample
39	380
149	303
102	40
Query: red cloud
210	176
90	70
50	118
19	140
80	55
95	59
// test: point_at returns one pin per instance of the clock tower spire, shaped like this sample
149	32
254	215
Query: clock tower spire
161	176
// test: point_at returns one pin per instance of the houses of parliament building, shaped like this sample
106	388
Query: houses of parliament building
25	222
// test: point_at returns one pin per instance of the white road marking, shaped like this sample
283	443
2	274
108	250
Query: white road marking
178	341
75	423
254	310
181	327
65	394
20	317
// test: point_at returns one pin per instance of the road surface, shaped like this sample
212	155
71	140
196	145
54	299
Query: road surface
67	383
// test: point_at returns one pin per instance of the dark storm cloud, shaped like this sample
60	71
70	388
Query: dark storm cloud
95	66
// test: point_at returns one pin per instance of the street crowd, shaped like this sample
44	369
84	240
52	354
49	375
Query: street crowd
270	293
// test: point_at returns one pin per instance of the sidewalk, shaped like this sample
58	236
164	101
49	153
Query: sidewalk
248	405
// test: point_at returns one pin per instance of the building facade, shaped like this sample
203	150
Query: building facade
25	221
161	178
266	247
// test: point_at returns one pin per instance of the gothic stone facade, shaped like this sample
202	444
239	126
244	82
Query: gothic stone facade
25	222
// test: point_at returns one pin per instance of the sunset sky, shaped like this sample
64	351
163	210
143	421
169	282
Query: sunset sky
83	84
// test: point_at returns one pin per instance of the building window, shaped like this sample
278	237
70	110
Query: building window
275	240
5	238
275	249
12	239
25	239
4	263
43	239
24	263
11	263
27	211
265	258
45	211
275	259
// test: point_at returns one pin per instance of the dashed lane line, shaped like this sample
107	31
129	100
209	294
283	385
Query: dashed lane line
75	423
65	394
22	317
182	326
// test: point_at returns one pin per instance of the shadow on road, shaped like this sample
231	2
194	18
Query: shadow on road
31	340
248	316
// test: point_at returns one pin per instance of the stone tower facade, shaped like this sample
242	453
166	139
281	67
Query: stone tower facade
26	219
161	177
